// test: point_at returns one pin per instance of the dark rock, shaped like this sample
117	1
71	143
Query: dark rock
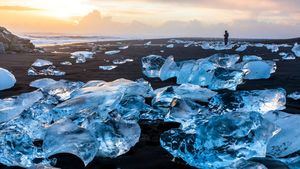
2	48
13	43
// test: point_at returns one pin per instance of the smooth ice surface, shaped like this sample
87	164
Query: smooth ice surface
224	60
296	49
222	141
287	141
294	95
248	58
7	79
170	46
261	101
259	69
152	64
122	61
169	69
112	52
111	67
12	107
41	63
241	48
67	137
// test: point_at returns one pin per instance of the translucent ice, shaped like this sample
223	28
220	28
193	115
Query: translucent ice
123	47
7	79
261	101
248	58
152	65
169	69
67	137
194	92
49	71
287	56
241	48
287	141
296	49
121	61
274	48
81	56
12	107
41	63
66	63
170	46
224	60
295	95
259	69
112	52
222	141
111	67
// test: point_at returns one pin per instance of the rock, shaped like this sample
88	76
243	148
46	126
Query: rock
13	43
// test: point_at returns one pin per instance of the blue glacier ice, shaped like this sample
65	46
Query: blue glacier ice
170	46
110	67
112	52
151	65
224	60
49	71
296	49
261	101
41	63
294	95
8	80
259	69
67	137
169	69
241	48
81	56
287	141
121	61
248	58
222	141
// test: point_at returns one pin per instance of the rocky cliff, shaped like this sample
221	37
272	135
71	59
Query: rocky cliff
12	43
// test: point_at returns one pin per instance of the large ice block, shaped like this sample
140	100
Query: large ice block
7	79
259	69
152	65
261	101
222	141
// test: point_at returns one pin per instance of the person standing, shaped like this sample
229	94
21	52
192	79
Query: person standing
226	36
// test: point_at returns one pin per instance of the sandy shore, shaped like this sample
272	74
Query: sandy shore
147	153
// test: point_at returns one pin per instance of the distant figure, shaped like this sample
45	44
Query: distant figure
226	36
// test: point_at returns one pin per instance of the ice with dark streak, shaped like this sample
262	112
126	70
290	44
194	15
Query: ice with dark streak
222	141
261	101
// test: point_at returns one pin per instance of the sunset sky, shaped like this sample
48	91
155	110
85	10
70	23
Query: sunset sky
154	18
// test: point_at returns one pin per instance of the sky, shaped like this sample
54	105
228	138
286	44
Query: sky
154	18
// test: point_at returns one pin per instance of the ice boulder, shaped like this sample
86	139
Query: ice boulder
222	141
259	69
152	65
81	56
41	63
7	79
296	49
261	101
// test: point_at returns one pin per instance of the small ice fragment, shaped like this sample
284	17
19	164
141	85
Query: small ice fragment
295	95
67	137
112	52
152	65
274	48
241	48
148	43
123	47
288	56
41	63
111	67
261	101
49	71
296	49
248	58
7	79
170	46
85	54
66	63
121	61
287	141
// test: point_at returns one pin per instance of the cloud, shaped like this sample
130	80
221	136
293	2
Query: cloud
17	8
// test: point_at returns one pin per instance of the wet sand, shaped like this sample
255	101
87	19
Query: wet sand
147	153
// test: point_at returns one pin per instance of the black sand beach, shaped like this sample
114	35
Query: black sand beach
147	153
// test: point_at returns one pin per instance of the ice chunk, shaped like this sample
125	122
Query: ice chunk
7	79
287	141
114	137
246	164
259	69
261	101
169	69
123	47
241	48
50	71
295	95
224	60
61	90
121	61
67	137
66	63
12	107
274	48
111	67
194	92
41	63
296	49
222	141
248	58
81	56
152	65
148	43
226	79
287	56
112	52
170	46
202	73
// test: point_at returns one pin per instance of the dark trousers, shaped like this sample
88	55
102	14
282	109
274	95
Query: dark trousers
226	41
